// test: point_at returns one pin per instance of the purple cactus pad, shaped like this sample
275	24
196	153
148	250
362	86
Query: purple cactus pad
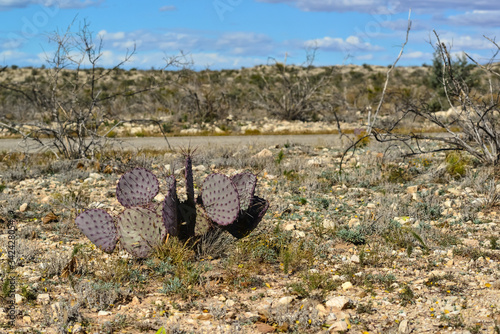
98	226
220	199
140	229
245	185
137	187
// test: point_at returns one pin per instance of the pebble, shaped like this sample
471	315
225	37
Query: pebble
43	298
338	302
19	299
23	207
103	313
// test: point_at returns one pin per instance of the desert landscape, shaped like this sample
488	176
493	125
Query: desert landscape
374	225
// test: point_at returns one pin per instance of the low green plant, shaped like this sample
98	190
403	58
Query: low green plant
353	235
457	164
406	295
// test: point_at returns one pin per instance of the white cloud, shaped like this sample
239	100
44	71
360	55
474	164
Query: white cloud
111	36
466	42
167	8
11	55
350	44
416	55
476	17
244	43
364	57
64	4
387	6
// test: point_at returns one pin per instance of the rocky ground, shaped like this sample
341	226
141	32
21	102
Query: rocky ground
388	246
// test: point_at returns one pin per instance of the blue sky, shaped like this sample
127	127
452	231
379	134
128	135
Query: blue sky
236	33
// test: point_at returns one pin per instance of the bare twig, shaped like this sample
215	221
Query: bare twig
371	122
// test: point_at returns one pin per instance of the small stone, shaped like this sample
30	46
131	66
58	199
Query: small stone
299	234
43	298
329	224
203	316
265	153
18	299
321	310
355	259
230	303
200	168
411	189
449	263
27	320
135	301
103	313
346	286
289	227
338	302
264	328
404	327
96	176
338	327
285	300
23	207
353	222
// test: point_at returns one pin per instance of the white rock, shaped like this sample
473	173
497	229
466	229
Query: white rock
339	302
265	153
43	298
160	197
23	207
412	189
289	227
353	222
338	327
230	303
355	258
96	176
347	286
200	168
404	327
329	224
285	300
103	313
18	299
299	234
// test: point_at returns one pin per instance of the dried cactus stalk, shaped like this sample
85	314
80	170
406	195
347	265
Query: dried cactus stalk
220	199
98	226
188	175
137	187
245	185
140	230
170	207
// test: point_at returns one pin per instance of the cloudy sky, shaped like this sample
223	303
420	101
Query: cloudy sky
235	33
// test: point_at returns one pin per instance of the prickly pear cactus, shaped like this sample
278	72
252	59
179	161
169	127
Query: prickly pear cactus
140	230
220	199
137	188
230	203
98	226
